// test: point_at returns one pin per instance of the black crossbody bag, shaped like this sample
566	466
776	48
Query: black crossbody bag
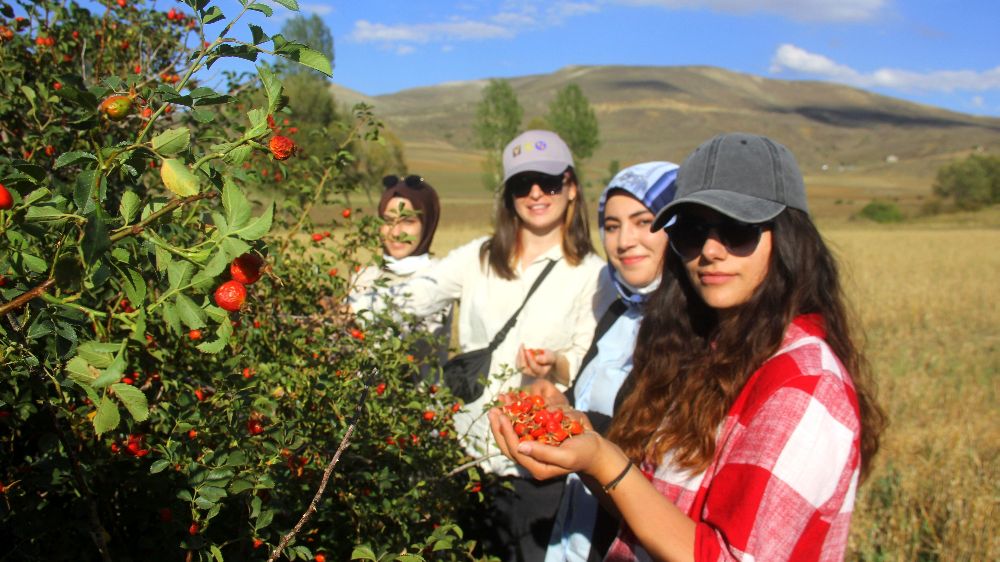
465	374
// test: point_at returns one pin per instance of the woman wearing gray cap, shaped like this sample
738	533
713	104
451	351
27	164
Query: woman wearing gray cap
749	418
527	293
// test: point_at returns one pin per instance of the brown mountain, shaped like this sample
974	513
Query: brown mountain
846	135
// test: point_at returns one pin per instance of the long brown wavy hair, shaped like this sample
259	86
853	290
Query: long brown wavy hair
690	366
502	250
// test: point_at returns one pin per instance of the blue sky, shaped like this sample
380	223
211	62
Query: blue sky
938	52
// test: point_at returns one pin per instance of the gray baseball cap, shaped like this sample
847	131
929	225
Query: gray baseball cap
536	151
746	177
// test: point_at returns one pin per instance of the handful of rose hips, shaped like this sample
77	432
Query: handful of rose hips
533	421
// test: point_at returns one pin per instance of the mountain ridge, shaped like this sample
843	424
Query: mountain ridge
663	112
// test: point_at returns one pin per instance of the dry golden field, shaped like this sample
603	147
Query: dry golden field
926	294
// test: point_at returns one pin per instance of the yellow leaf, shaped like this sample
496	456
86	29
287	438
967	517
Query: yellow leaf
178	178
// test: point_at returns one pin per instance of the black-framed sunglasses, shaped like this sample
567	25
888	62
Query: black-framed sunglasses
412	181
688	236
521	184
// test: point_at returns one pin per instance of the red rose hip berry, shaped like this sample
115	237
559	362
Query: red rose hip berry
231	295
247	268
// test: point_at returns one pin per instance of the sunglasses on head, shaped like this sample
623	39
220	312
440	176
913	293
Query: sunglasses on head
521	184
411	181
688	236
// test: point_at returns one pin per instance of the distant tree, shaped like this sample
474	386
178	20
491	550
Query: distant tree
881	211
613	168
971	183
311	31
571	116
537	122
498	120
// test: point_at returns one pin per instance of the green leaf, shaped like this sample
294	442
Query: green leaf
290	4
169	312
172	141
410	558
191	314
262	8
363	552
264	520
223	333
135	287
179	273
238	155
216	553
212	493
129	206
107	417
212	15
87	190
35	195
98	354
302	54
80	372
133	399
159	466
258	123
34	263
258	227
67	158
203	115
113	373
238	486
236	204
256	32
272	85
95	237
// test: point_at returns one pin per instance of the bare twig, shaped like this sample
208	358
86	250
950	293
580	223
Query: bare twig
329	470
463	467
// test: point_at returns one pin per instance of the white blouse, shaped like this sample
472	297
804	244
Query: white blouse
560	316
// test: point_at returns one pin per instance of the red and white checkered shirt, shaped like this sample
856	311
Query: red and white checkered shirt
786	467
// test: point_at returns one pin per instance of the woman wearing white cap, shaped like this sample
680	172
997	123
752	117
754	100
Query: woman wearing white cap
749	411
541	234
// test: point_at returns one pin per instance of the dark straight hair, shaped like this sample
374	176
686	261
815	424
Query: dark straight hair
502	250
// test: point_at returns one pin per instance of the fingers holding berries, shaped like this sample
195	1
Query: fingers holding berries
537	363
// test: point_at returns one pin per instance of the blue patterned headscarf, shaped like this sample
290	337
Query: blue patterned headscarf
652	184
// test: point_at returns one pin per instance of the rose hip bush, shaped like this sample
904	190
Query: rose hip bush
179	374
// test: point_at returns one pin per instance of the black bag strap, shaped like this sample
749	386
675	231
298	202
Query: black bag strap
498	339
610	316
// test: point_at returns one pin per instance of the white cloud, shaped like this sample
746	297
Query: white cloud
318	9
797	60
421	33
404	49
802	10
978	101
511	20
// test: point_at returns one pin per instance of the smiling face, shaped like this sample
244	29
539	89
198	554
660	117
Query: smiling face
402	229
541	212
635	252
723	279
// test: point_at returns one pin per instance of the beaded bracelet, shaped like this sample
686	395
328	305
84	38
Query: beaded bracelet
611	485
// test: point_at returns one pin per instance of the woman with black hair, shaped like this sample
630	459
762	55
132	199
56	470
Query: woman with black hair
749	418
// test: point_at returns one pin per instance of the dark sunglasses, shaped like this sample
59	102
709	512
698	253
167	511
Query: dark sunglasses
411	181
688	236
521	184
